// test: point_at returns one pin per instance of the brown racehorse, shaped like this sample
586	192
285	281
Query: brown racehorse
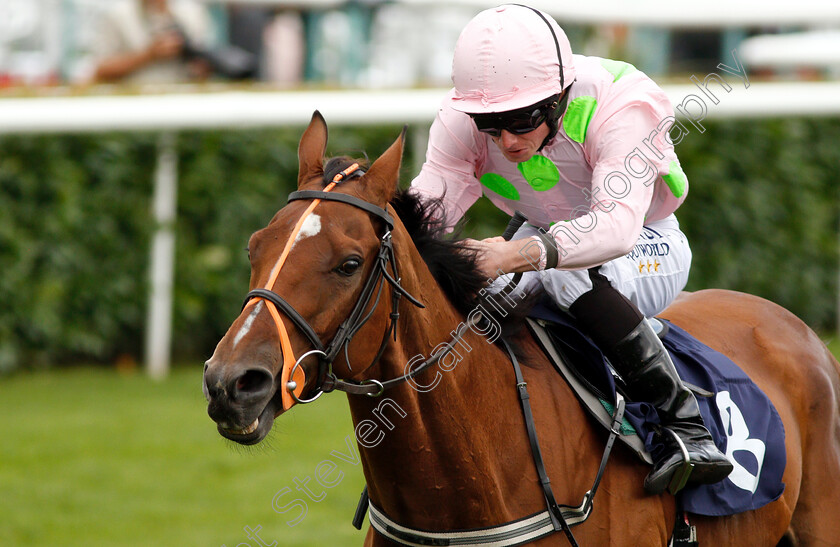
456	454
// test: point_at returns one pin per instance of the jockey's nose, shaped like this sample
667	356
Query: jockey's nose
507	138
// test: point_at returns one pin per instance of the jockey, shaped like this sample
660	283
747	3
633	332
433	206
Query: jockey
580	145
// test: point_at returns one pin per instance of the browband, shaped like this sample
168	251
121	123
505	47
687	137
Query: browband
344	198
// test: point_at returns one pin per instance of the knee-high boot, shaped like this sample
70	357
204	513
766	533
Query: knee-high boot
637	354
650	376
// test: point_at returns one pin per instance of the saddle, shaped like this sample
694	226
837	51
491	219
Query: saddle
740	417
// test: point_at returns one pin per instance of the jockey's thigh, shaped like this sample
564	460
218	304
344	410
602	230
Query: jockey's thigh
651	275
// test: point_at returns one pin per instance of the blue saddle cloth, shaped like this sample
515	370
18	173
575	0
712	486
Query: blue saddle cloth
740	417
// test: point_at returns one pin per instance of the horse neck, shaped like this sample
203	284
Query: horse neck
421	437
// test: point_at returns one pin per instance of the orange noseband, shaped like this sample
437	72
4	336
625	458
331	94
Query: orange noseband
289	360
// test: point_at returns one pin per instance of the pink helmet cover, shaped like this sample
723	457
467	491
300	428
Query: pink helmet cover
506	58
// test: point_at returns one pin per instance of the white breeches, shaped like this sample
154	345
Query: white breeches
651	275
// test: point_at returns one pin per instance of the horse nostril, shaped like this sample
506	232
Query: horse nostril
254	382
212	384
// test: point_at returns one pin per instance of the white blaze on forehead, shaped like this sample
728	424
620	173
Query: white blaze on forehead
311	226
246	328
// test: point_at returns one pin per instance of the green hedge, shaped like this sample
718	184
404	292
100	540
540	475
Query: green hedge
762	212
75	228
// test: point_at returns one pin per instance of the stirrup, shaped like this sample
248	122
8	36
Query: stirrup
681	474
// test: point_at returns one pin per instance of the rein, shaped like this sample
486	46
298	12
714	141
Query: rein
555	518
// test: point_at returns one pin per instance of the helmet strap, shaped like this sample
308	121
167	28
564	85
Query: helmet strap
553	120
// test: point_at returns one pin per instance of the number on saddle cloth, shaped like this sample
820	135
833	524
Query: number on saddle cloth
741	418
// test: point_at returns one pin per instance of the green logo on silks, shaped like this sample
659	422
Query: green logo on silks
500	185
539	171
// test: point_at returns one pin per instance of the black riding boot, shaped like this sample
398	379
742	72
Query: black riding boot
650	376
617	326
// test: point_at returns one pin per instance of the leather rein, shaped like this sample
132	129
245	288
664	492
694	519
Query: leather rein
555	518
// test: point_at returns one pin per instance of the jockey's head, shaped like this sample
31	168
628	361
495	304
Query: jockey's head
510	69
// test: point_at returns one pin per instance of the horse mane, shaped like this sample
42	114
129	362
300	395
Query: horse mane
451	261
454	264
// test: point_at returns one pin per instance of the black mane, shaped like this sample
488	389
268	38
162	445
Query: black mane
451	261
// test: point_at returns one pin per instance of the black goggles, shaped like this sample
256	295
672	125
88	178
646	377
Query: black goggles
518	122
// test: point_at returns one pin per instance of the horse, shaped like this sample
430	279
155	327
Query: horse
450	451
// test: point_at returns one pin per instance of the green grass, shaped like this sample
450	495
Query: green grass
89	456
92	457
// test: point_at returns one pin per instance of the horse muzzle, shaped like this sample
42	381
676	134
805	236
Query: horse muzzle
242	404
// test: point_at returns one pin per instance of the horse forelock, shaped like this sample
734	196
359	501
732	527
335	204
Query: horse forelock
336	165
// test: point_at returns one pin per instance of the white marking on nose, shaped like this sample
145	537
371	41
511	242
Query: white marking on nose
248	322
311	226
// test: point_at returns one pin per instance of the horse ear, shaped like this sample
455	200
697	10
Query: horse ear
382	177
313	146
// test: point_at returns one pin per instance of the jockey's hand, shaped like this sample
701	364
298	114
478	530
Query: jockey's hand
494	254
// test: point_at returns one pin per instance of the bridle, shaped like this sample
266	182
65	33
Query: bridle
292	375
555	518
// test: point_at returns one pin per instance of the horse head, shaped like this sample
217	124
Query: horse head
317	275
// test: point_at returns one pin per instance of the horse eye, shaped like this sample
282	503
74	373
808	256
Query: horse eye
350	266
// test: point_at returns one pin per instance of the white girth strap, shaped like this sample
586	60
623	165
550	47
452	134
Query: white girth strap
518	532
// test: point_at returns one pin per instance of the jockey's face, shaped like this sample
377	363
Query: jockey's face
519	148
